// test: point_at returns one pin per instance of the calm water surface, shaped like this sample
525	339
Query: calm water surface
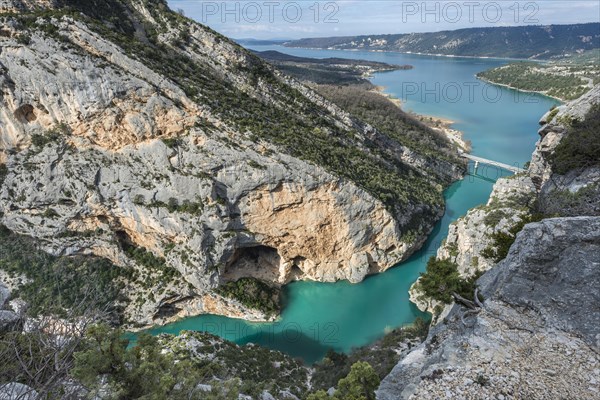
500	123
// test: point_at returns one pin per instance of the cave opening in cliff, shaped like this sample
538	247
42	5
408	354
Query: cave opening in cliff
296	272
25	114
261	262
124	240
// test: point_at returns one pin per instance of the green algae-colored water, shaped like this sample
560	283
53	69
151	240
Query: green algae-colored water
501	125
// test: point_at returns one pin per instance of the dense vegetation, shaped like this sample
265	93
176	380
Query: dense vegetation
566	82
331	71
148	371
564	203
524	42
387	117
360	384
441	279
382	355
52	285
156	270
193	365
580	148
253	293
341	82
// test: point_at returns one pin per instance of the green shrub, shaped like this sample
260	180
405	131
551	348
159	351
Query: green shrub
24	39
564	203
502	241
158	271
50	213
382	355
256	165
42	140
55	284
253	293
3	173
442	279
552	114
140	372
580	148
189	207
172	142
360	384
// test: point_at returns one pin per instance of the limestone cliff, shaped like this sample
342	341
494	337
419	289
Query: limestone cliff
535	336
514	199
132	133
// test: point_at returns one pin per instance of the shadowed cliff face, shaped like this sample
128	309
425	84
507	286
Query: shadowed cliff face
131	133
536	335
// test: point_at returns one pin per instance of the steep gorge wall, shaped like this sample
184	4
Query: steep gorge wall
102	153
515	198
536	335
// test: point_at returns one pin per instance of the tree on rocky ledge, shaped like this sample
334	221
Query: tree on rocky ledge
360	384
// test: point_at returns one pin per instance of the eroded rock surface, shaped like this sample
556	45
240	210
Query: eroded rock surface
105	153
537	335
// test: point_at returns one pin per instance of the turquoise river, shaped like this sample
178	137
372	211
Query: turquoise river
500	123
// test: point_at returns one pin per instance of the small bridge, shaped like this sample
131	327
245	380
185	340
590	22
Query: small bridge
478	160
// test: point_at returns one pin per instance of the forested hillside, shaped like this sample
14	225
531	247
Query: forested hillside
525	42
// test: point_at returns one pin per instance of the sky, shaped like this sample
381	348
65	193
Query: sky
294	19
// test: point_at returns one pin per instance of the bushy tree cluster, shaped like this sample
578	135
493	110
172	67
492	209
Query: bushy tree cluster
441	279
360	384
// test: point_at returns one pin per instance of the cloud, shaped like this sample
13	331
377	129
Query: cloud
377	16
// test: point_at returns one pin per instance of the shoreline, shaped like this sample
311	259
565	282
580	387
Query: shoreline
521	90
439	124
418	54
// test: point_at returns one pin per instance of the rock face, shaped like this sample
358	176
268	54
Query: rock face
515	198
17	391
103	153
470	235
537	335
554	128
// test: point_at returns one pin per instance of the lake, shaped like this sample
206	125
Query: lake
501	125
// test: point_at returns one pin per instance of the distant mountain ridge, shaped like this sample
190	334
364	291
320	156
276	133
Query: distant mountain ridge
525	42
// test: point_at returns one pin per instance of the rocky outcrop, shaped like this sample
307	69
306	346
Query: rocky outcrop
8	315
536	336
554	128
17	391
469	236
518	197
311	225
105	153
